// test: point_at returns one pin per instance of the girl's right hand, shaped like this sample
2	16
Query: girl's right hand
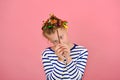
59	52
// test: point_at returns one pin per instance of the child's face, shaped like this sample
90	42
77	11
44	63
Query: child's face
63	36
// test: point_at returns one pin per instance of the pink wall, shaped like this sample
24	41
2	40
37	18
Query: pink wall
94	22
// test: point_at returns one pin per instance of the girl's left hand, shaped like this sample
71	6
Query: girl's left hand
66	50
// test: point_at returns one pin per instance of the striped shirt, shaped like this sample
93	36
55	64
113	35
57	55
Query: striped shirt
57	70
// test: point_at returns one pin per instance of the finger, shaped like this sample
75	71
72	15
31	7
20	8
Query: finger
60	54
60	50
64	48
59	46
64	45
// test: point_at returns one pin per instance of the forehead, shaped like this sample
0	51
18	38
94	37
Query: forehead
54	35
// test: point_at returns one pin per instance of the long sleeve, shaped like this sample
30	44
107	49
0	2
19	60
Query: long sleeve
76	68
56	70
53	72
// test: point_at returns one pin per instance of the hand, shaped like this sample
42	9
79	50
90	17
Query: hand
59	52
63	52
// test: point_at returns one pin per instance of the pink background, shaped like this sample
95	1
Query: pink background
92	23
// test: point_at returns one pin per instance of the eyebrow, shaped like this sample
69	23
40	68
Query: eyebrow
60	37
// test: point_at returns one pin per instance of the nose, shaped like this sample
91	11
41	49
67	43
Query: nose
61	41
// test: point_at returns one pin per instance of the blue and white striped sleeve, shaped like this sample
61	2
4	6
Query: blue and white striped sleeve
76	68
52	72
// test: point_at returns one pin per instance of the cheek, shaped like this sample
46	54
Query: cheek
65	38
54	43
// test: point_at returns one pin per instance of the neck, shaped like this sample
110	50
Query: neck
70	44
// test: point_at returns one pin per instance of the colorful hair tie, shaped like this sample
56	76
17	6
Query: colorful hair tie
53	21
65	25
50	27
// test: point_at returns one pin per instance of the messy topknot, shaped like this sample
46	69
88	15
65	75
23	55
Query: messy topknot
52	24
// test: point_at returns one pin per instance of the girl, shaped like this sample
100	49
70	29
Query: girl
64	60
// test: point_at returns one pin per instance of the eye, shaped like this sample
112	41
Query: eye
61	37
55	41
